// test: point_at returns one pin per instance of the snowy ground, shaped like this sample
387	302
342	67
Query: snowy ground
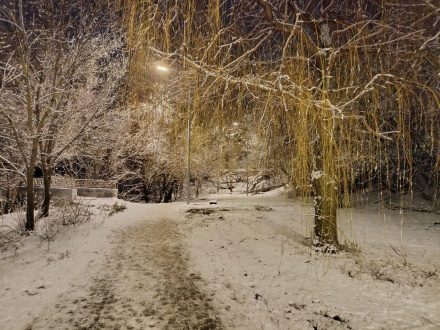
243	263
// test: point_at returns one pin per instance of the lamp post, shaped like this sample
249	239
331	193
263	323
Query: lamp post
165	69
188	160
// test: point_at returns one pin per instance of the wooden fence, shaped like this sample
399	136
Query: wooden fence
58	182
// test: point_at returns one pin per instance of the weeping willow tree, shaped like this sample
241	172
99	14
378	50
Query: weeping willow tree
342	96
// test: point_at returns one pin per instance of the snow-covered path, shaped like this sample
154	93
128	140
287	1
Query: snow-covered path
145	283
128	271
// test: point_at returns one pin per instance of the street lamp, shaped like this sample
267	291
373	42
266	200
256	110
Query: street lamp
188	160
163	68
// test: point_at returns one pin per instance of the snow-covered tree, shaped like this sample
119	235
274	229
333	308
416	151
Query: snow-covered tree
343	91
64	62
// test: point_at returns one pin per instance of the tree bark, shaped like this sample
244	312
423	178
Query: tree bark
46	165
30	191
326	193
30	199
47	176
324	179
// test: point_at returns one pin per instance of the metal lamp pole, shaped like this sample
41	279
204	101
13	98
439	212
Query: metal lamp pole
188	160
188	150
188	154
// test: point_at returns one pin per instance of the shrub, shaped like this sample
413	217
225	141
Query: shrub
116	208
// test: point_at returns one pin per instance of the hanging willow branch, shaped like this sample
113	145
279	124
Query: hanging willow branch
356	68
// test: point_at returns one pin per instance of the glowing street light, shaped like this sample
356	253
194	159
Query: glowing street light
161	68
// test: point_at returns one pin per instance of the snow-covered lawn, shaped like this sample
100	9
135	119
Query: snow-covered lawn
243	263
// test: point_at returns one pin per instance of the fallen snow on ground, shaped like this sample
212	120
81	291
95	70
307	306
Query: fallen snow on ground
246	262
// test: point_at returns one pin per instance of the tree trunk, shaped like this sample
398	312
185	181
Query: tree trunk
326	198
30	199
47	176
46	149
325	180
7	207
30	191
